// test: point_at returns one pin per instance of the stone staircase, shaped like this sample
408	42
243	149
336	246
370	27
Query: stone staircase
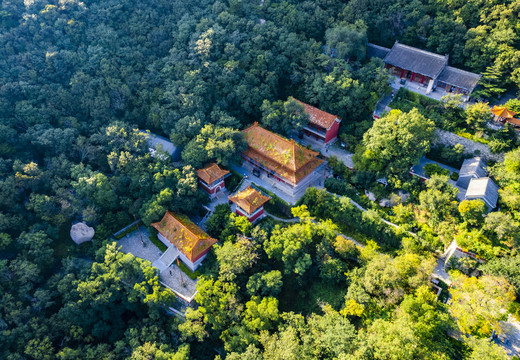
166	259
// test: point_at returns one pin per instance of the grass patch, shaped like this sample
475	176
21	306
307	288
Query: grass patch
275	206
405	100
192	275
473	137
431	169
155	240
131	229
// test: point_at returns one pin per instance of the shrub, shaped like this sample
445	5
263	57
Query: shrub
340	187
233	181
448	155
454	176
275	206
431	169
497	146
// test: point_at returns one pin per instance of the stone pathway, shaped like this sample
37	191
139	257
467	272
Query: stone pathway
328	150
440	273
510	341
470	146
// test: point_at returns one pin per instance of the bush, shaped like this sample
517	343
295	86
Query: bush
232	181
340	187
431	169
406	100
454	176
275	206
448	155
497	146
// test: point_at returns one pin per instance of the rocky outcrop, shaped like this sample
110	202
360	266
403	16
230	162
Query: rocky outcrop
81	232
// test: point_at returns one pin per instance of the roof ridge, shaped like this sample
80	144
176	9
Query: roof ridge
462	71
377	46
184	226
420	50
291	141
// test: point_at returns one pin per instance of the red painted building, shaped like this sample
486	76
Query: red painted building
322	125
211	178
249	203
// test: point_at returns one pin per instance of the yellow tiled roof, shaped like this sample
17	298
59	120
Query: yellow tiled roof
249	199
503	112
284	157
319	117
184	234
211	173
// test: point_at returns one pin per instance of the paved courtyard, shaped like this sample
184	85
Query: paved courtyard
179	282
170	276
132	244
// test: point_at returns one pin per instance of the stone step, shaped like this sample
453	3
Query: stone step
169	256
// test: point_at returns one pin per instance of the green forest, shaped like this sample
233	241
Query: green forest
81	80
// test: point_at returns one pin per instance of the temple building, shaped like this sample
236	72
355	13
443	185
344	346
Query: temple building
484	189
211	179
291	166
503	114
473	168
426	68
191	241
250	203
322	125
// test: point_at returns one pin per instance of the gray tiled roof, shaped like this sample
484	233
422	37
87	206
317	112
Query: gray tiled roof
416	60
471	169
377	51
459	78
485	189
155	140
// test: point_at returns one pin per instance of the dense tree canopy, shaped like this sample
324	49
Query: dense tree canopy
81	84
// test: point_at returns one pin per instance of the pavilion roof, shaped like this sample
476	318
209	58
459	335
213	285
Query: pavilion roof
211	173
249	199
319	117
503	112
187	237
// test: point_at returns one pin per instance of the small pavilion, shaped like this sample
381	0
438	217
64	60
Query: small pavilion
503	114
250	203
211	178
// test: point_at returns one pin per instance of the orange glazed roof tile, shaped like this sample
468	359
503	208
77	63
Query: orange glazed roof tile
514	121
211	173
319	117
187	237
284	157
249	199
503	112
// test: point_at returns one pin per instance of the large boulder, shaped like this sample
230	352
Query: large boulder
81	232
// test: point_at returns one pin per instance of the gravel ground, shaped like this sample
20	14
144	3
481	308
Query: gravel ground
131	243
